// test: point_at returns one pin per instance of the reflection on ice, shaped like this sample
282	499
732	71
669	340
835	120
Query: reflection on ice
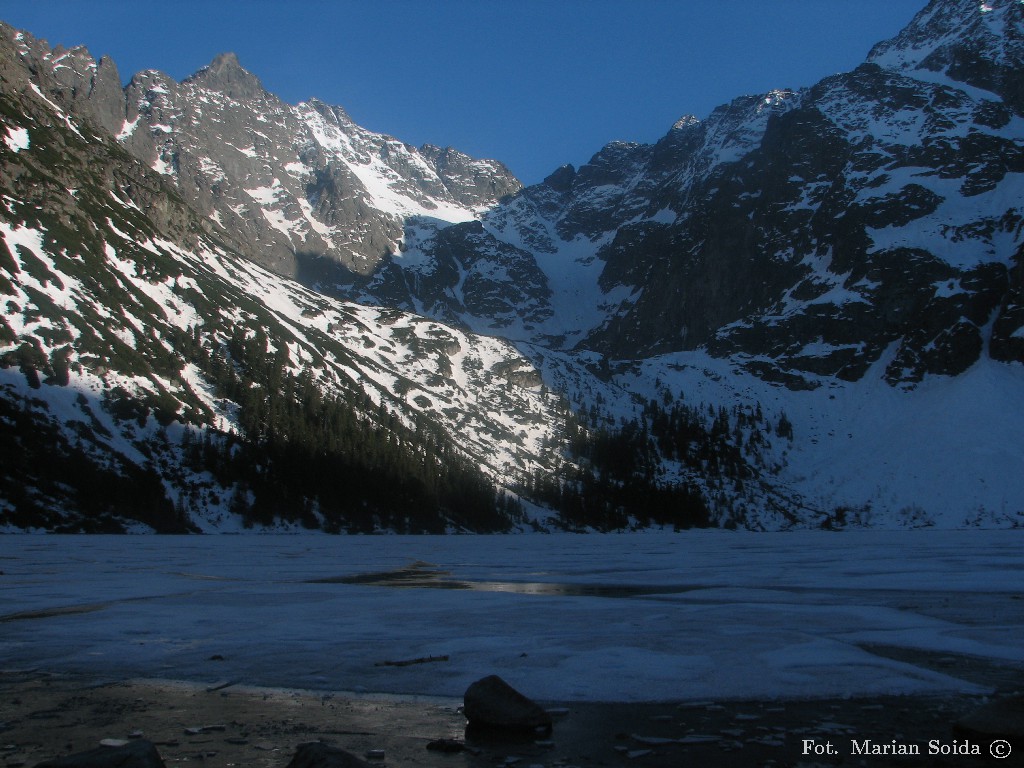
417	576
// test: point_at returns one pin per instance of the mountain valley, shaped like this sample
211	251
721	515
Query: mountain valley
224	312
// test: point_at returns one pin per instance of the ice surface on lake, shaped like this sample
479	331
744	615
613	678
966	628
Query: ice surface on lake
655	616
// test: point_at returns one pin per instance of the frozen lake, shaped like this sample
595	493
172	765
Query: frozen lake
691	616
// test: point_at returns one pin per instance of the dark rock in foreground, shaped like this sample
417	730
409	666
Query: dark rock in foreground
449	746
319	755
493	704
135	754
1003	718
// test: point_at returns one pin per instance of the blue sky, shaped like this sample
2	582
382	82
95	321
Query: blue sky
533	83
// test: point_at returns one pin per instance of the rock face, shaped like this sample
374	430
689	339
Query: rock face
319	755
804	234
135	754
493	704
304	190
977	43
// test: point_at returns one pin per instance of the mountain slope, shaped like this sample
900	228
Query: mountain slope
860	235
806	232
301	189
138	348
805	309
979	44
152	376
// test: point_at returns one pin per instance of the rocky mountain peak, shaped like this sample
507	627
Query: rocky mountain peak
561	180
472	182
685	122
226	74
330	112
977	42
70	76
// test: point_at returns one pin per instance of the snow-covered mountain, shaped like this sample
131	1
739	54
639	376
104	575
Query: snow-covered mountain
863	238
806	308
289	184
806	232
151	373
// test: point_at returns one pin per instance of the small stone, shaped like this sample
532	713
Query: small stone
652	740
697	738
198	730
375	754
449	746
768	741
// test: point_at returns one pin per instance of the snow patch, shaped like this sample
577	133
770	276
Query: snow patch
17	139
161	166
127	129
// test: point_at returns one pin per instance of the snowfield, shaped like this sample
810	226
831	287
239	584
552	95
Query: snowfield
652	616
945	454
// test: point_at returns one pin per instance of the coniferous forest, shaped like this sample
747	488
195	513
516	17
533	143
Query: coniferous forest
302	450
311	458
